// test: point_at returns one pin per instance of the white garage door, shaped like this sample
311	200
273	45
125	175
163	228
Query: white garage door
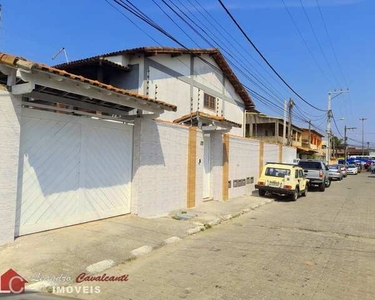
72	170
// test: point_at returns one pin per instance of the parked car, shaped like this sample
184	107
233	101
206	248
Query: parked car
282	179
317	173
335	172
352	169
344	170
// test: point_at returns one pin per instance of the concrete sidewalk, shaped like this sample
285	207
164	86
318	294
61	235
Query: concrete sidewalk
96	246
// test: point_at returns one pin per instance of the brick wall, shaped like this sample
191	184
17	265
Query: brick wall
243	166
289	154
160	168
10	114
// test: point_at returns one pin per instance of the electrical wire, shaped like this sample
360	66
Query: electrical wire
330	41
306	44
265	59
317	41
138	13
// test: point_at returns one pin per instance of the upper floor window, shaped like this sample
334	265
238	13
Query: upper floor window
209	102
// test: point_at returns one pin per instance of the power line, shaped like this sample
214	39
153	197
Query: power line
138	13
317	40
305	43
330	41
264	58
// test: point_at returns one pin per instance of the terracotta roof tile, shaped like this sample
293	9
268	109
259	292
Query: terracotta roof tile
16	61
215	53
207	116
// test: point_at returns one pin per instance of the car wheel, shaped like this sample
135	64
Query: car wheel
322	187
294	196
304	194
328	182
262	193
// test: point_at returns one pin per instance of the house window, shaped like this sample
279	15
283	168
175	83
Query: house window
209	102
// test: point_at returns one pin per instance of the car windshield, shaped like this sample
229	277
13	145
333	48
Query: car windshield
277	172
314	165
334	167
352	166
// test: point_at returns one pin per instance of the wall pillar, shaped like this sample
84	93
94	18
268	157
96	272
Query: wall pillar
192	167
217	165
261	157
225	167
280	153
10	129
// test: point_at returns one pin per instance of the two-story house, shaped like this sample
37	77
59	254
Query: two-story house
312	141
143	131
271	129
198	81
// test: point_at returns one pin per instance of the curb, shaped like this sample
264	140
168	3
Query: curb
146	249
226	218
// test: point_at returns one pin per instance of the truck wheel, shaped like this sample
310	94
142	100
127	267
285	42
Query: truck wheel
294	196
262	193
322	187
328	182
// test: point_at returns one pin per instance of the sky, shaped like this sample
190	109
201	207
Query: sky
303	54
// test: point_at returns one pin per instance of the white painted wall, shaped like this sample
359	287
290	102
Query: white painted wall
207	75
181	64
170	90
243	163
160	168
217	166
289	154
177	90
10	118
271	153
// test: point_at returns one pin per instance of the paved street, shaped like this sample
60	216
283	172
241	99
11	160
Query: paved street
320	247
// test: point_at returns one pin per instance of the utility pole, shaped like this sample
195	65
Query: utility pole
363	136
346	128
309	133
329	117
284	127
290	107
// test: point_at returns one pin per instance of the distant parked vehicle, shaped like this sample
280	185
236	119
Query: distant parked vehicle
335	172
352	169
344	170
317	173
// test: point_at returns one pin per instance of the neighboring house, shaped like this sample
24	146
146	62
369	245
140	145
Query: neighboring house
312	142
270	129
195	80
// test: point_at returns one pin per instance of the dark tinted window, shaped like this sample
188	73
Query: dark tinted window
313	165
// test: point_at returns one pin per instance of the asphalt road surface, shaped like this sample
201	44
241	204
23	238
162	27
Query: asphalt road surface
320	247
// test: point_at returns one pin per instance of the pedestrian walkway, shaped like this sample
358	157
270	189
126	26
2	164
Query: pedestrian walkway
96	246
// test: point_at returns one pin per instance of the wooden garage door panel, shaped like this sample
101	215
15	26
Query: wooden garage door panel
72	170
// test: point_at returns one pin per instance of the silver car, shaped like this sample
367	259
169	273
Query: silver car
343	170
335	172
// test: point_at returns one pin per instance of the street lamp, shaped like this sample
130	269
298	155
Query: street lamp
363	136
331	96
345	143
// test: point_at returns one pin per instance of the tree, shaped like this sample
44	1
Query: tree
337	144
